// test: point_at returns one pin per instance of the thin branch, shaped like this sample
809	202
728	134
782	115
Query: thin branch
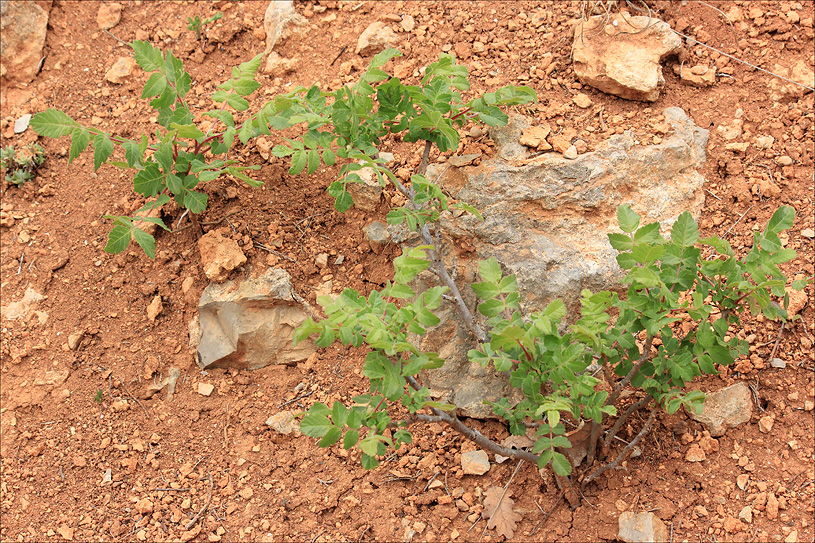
425	157
413	419
624	453
611	434
474	435
645	357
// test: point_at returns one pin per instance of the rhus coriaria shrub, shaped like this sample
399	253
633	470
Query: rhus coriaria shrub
573	371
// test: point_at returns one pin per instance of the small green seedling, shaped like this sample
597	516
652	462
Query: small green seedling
21	167
99	397
197	25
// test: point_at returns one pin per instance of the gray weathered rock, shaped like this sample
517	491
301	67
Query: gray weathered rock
641	528
279	18
23	25
546	220
726	408
622	58
251	324
377	235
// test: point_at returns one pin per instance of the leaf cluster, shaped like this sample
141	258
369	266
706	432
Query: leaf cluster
178	157
675	322
21	167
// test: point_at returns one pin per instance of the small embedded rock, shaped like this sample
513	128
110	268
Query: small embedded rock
726	408
205	389
121	70
155	308
535	137
695	454
570	153
582	101
475	463
376	37
778	363
144	506
219	255
109	15
641	527
75	339
408	23
284	423
765	424
377	235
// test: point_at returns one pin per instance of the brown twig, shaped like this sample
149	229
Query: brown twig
549	514
645	357
191	523
624	417
620	457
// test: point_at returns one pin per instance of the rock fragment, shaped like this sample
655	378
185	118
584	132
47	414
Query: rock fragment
641	527
23	26
109	15
377	235
726	408
251	324
475	463
219	255
623	58
376	37
121	70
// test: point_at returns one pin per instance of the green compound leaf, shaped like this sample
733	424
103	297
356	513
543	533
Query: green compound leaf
149	58
145	241
53	123
685	232
102	149
781	220
80	138
154	86
195	201
331	436
118	239
627	219
561	465
490	270
315	425
148	181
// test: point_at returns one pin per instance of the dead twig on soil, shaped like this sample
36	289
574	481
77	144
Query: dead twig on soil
731	57
777	341
549	514
191	523
300	397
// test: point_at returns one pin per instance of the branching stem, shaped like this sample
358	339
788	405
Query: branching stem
624	453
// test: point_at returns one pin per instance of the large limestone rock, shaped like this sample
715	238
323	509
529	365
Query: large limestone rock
623	57
23	25
250	325
546	219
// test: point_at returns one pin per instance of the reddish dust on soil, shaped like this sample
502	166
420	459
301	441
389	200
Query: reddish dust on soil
78	469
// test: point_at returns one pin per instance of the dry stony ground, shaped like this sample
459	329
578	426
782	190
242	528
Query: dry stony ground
167	460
